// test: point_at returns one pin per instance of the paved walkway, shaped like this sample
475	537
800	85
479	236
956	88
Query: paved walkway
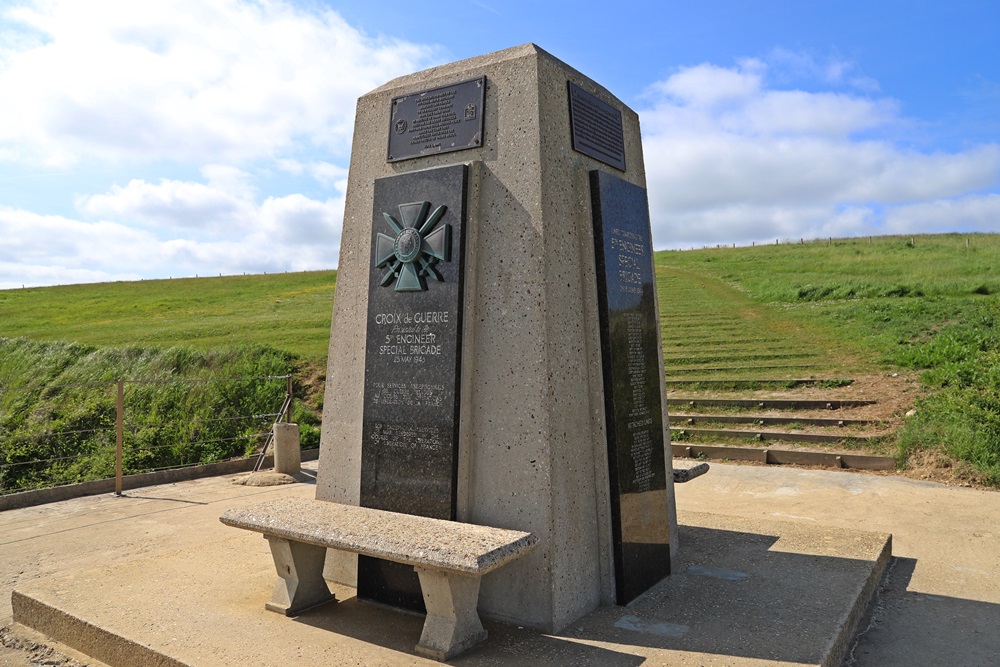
940	604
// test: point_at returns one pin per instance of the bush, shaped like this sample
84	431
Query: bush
963	417
182	406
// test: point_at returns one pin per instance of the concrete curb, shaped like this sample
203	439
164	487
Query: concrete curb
88	638
836	651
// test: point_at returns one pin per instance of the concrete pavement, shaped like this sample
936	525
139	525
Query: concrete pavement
772	561
940	601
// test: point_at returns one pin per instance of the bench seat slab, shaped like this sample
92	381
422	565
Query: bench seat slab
450	559
403	538
452	624
300	583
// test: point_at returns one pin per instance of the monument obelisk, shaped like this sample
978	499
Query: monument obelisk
495	350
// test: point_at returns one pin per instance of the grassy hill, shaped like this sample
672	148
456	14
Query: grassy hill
890	297
287	311
182	406
927	303
825	309
714	330
79	339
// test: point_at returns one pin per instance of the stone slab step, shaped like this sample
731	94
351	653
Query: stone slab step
693	419
786	436
749	383
743	584
766	404
784	457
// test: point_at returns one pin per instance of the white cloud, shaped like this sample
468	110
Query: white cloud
245	88
976	213
795	112
298	220
49	249
732	158
184	80
329	174
223	205
326	173
172	204
786	65
709	85
171	228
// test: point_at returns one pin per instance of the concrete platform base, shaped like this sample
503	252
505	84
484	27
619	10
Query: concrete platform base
745	592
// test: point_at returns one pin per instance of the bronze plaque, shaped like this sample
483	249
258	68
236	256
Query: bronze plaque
596	127
439	120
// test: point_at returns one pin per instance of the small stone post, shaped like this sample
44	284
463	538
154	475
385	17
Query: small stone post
287	455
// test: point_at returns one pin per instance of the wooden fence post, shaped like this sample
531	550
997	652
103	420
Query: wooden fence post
119	437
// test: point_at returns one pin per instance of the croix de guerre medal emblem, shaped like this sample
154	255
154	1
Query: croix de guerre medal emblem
411	255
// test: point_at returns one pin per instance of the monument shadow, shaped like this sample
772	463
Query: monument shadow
958	630
397	630
736	594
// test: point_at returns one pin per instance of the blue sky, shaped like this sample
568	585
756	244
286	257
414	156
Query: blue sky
199	137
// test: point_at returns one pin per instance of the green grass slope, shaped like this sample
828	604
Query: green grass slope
713	331
79	339
821	309
287	311
182	406
930	303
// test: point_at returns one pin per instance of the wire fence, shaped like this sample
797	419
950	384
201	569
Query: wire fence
93	431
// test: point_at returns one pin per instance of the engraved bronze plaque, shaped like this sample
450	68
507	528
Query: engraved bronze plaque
596	127
437	120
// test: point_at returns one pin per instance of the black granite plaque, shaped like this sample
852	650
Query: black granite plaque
626	292
409	444
437	121
596	127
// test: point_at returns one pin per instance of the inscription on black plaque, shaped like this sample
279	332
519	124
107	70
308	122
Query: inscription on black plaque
437	121
596	127
409	444
626	293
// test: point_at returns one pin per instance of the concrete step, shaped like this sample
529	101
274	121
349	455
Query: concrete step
767	404
761	436
755	383
771	455
734	598
762	420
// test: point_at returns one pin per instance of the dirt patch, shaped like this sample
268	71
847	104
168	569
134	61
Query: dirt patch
935	466
16	651
310	383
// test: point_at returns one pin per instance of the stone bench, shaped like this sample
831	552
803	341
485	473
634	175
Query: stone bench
449	558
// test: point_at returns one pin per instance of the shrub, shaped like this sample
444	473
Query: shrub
186	406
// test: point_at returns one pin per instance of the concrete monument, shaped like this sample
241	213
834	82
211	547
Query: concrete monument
495	352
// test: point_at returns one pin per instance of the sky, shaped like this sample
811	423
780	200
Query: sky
143	140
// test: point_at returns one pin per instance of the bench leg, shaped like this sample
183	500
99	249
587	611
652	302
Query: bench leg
452	624
300	583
